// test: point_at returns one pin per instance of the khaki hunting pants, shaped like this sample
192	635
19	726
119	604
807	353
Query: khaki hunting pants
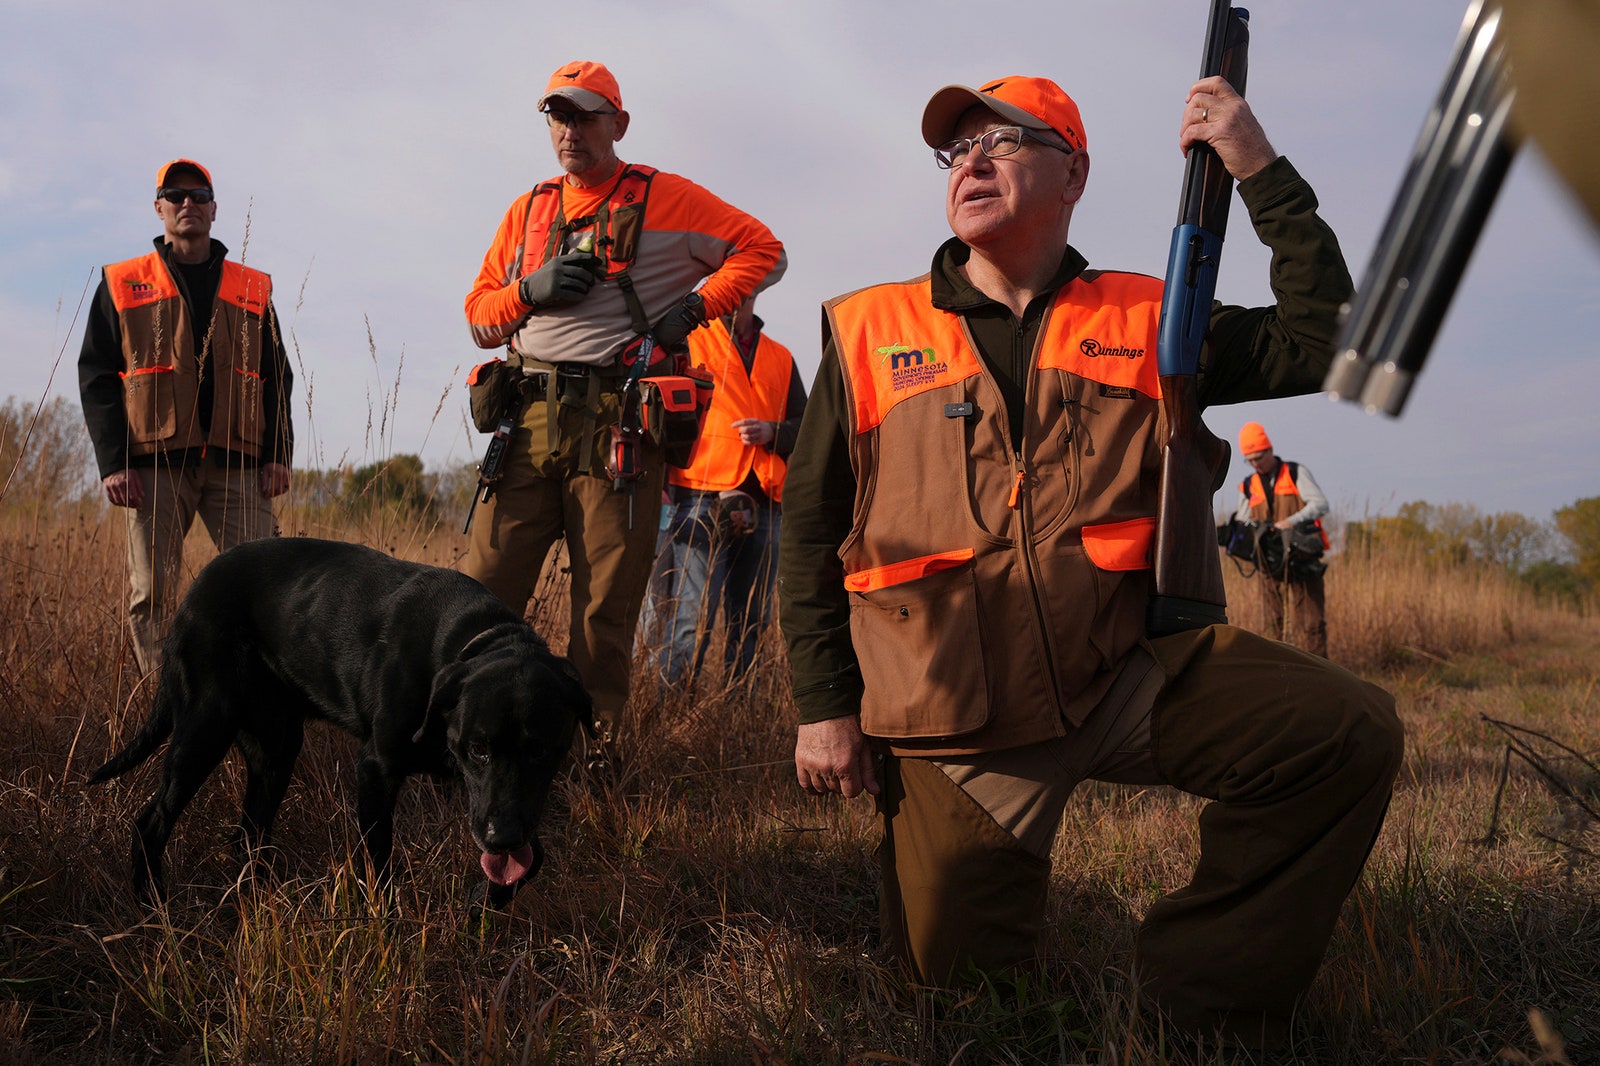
1298	757
229	502
541	498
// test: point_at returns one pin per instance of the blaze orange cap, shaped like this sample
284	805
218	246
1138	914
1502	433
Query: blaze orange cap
1252	439
166	171
1034	103
588	85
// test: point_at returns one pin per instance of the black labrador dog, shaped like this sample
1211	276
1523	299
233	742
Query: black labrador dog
431	671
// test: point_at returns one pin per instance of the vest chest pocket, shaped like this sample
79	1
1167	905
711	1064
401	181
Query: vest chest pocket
148	399
916	633
627	222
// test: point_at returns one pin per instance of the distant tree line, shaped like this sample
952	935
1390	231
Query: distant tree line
45	455
46	461
399	486
1559	559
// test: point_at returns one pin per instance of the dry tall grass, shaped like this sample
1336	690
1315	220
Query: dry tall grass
702	910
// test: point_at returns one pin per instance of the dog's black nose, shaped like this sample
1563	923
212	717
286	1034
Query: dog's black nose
503	834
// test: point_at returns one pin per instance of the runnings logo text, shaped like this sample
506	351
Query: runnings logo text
1094	350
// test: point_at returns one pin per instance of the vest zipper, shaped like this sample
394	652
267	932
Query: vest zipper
1025	533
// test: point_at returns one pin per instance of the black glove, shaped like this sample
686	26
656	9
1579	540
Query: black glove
564	280
684	318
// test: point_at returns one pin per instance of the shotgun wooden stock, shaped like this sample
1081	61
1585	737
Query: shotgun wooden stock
1187	568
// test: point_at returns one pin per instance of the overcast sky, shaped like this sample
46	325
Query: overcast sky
364	154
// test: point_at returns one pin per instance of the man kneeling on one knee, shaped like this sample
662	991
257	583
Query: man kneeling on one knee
964	577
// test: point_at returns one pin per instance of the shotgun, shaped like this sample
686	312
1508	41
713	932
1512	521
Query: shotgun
1460	159
1194	461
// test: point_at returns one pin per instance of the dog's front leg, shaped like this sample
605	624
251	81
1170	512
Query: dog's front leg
376	791
269	756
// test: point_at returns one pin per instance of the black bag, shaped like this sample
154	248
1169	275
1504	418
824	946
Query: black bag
492	392
1262	543
1305	550
1238	538
1269	548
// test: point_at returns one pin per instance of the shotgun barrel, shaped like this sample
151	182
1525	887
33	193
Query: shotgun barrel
1188	572
1455	172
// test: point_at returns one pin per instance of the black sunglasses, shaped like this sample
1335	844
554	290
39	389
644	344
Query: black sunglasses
178	196
582	119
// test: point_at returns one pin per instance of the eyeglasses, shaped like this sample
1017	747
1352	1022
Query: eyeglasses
178	196
998	142
581	119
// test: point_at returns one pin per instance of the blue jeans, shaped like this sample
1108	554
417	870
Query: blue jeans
708	573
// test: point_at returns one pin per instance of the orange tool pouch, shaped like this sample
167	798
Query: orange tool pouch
671	409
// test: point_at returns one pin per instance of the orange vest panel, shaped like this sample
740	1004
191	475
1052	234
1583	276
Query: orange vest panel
720	460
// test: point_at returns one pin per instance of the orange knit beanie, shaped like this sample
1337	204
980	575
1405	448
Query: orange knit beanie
1252	439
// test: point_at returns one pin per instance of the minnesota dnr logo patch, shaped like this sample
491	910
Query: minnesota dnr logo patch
140	292
909	367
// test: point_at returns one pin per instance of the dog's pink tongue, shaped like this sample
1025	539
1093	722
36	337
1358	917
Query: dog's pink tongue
509	868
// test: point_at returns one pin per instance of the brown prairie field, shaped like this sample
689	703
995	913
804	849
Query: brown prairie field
701	909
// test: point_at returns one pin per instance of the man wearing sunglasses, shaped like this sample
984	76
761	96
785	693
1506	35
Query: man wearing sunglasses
185	390
964	574
589	274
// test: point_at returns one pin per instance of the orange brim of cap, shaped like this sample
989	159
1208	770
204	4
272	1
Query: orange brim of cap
161	175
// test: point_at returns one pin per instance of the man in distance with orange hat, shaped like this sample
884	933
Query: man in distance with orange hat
1285	496
583	269
964	574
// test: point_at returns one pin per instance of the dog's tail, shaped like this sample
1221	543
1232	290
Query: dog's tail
156	729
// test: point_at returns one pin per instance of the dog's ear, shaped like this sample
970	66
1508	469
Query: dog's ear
446	691
447	682
579	696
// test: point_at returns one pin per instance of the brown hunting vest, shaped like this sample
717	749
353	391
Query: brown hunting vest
995	584
161	368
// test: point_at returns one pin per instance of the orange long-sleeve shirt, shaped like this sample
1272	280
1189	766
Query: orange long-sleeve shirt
688	235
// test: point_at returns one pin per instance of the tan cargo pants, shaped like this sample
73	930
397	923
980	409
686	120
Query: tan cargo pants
541	498
229	502
1298	757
